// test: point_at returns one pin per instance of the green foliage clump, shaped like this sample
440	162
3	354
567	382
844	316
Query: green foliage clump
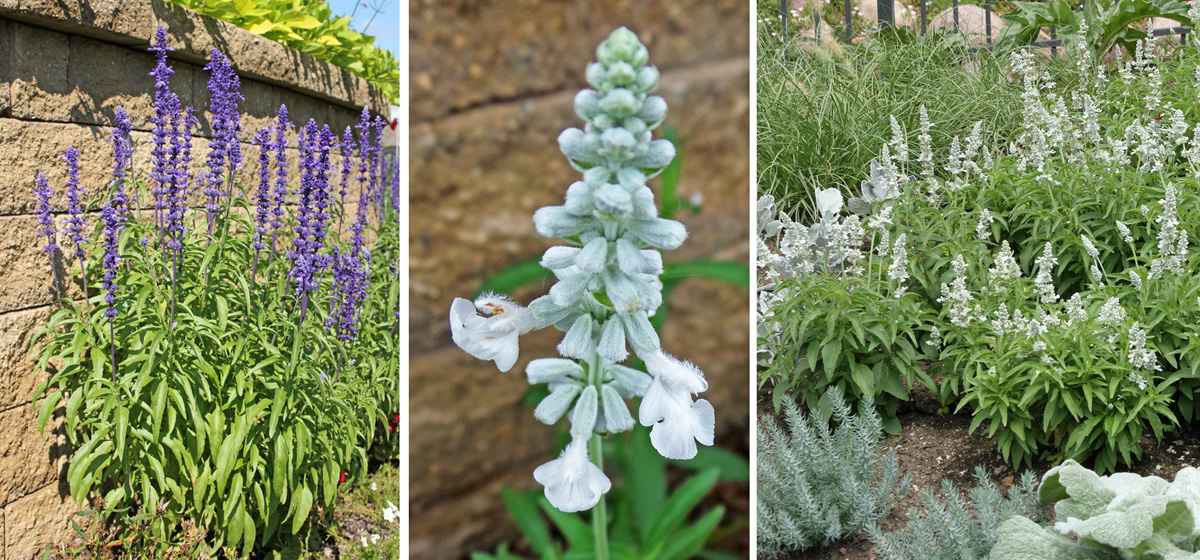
310	27
819	113
1122	516
846	332
648	519
816	484
1099	25
956	528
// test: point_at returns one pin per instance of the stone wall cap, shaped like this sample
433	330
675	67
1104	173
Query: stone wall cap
132	23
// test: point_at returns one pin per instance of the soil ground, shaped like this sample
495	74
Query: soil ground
934	447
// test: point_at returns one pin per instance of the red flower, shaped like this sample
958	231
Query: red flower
394	423
342	478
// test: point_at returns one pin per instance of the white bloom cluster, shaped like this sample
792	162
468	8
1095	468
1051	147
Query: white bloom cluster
899	143
925	142
1111	312
1172	240
959	298
1004	268
984	226
1139	356
1123	229
1043	282
608	286
898	269
1075	310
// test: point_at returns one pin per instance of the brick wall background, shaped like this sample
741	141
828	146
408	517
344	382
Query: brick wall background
65	66
492	87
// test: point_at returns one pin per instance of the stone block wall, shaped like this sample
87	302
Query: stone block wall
492	87
65	66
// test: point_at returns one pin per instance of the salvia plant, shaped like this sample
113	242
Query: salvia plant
1121	516
1054	296
607	289
233	360
817	484
957	527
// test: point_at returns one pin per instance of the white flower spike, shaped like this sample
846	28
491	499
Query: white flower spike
572	482
678	423
488	329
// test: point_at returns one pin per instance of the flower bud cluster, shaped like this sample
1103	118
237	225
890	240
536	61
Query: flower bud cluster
607	288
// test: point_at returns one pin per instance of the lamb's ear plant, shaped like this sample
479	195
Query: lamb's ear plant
209	387
1122	515
608	287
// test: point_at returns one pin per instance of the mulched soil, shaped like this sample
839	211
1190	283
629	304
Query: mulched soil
934	447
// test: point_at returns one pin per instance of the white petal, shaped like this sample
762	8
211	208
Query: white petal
675	372
677	422
475	335
572	482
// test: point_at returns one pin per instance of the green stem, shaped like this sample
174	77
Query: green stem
599	513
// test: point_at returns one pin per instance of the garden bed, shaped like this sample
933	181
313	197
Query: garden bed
936	446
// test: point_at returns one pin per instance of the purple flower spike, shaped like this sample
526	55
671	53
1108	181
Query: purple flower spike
282	124
180	177
122	146
312	213
262	139
47	222
347	168
350	286
44	218
225	154
74	202
376	162
114	224
165	103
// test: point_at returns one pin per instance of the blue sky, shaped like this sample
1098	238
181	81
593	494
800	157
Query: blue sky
385	27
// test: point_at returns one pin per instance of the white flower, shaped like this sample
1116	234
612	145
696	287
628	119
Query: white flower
374	487
374	537
984	226
1044	281
1005	266
488	329
391	512
829	203
678	423
1139	356
1089	247
572	482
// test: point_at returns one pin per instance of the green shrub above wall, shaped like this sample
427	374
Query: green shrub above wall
310	27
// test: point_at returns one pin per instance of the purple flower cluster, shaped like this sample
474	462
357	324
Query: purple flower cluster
351	283
347	146
75	195
281	125
44	218
166	104
225	153
376	161
262	139
122	156
114	224
180	177
312	213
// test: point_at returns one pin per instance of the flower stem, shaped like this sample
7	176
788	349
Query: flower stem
599	513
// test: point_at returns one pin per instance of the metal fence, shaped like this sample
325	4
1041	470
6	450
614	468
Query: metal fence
886	13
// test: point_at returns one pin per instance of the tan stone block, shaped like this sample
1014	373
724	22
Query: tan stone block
36	459
40	88
528	47
37	521
19	376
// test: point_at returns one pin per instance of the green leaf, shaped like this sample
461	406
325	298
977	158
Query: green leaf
301	508
678	505
524	510
729	465
735	273
689	541
515	277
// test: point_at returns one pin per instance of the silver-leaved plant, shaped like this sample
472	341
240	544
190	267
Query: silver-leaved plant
608	288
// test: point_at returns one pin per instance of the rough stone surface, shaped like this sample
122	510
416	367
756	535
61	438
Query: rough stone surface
194	36
37	521
466	53
972	20
19	376
42	458
478	176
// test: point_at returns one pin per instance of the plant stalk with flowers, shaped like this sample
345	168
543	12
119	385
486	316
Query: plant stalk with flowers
606	291
209	386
